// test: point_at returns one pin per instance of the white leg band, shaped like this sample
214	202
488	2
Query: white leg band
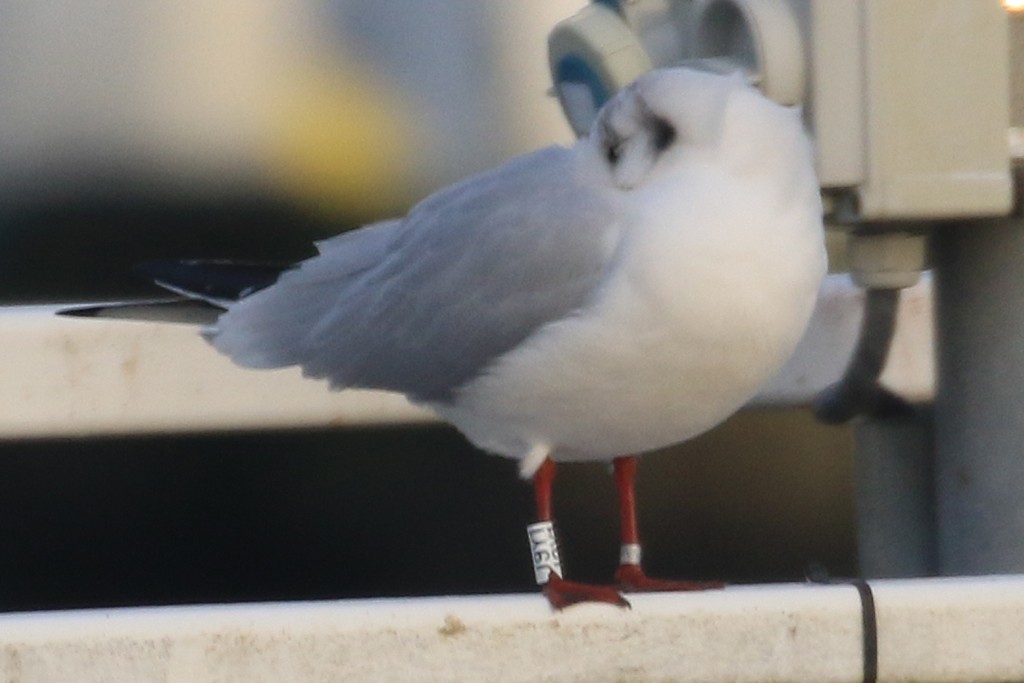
629	553
544	549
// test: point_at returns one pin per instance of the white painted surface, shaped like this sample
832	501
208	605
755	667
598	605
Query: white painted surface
750	634
951	629
73	377
78	376
966	629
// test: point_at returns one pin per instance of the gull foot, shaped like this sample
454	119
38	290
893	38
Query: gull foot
562	594
631	578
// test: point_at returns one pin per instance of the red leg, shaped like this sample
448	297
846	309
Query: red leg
560	593
543	483
630	575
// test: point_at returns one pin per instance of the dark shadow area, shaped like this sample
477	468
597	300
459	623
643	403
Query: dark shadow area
85	249
413	511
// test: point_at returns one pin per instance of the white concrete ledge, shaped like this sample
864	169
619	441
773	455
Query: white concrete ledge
83	376
928	630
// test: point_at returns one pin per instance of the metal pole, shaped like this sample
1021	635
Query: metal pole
895	496
979	406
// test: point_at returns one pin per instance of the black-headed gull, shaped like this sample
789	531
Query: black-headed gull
575	304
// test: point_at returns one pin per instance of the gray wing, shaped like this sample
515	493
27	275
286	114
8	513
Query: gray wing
422	305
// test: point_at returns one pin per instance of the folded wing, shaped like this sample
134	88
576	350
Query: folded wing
423	304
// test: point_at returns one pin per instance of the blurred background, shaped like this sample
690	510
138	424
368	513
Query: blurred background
241	129
246	129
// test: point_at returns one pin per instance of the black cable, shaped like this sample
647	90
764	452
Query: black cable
869	629
859	392
817	573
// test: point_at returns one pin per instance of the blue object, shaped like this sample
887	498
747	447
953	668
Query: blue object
575	69
610	4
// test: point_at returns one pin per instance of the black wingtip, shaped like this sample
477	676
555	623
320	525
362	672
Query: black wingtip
156	269
214	281
82	311
176	310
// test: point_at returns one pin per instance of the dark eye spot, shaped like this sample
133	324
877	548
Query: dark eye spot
663	133
613	152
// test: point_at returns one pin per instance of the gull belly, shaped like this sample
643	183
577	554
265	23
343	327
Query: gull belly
685	329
